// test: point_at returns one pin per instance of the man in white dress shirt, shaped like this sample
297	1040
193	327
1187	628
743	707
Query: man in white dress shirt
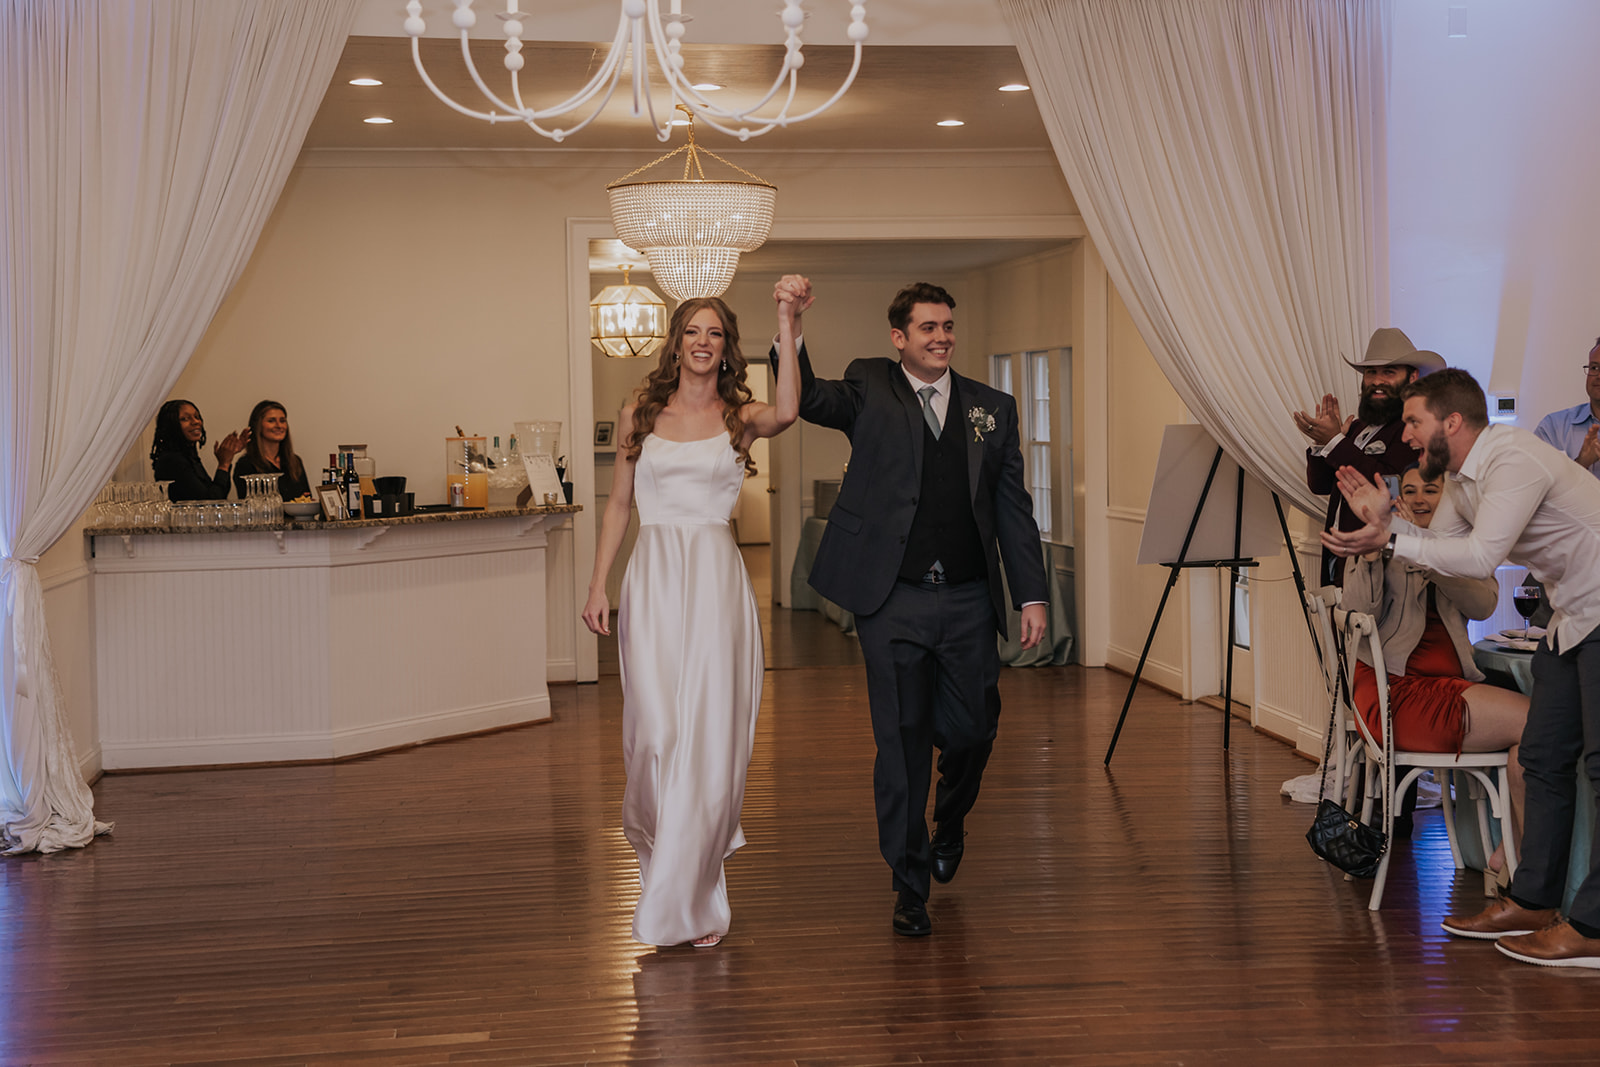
1511	496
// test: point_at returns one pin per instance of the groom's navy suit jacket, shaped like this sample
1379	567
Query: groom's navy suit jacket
865	541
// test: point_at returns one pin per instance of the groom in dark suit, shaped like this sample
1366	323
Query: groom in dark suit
934	486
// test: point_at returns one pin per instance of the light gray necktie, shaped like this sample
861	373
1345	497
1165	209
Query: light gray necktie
929	416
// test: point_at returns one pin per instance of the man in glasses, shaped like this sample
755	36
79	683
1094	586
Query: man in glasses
1576	430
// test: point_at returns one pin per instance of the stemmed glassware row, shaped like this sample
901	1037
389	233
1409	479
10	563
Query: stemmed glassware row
136	504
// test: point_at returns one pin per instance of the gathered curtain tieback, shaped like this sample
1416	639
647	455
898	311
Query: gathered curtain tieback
10	566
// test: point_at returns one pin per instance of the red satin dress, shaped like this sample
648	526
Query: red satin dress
1427	703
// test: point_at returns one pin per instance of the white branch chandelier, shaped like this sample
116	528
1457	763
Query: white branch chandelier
644	31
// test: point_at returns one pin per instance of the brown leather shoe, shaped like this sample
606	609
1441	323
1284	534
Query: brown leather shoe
1557	945
1504	916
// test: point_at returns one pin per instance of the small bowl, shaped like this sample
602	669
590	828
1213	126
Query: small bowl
302	510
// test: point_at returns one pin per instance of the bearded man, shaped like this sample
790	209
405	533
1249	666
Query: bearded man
1372	440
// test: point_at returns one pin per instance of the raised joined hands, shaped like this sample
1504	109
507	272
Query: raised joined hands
793	296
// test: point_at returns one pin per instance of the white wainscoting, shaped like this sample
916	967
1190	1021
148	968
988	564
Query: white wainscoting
1291	700
1134	606
242	647
69	611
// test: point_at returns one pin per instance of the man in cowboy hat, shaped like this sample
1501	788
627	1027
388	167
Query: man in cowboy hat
1371	440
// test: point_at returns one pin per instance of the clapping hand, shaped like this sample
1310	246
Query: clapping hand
230	446
1372	503
1589	452
1369	500
1323	426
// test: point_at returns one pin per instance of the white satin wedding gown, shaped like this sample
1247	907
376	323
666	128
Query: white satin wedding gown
690	644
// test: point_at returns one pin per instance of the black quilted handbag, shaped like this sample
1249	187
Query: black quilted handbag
1336	835
1345	841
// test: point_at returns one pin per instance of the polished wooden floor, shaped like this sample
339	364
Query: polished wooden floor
469	902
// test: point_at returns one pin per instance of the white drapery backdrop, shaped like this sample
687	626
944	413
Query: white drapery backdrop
143	144
1228	159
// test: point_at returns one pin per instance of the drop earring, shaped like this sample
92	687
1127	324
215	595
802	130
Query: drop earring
724	362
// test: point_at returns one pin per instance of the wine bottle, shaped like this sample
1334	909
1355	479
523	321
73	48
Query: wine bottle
351	486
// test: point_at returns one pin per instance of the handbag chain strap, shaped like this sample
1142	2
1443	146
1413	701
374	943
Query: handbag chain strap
1333	722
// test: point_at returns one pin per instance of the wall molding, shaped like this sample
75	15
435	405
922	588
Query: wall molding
89	765
60	579
1124	514
1157	672
1280	722
334	744
625	160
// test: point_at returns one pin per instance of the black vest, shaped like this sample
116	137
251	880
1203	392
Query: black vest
944	528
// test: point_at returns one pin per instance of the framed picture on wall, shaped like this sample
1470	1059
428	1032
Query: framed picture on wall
602	434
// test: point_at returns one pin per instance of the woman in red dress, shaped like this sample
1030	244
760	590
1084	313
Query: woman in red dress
1436	693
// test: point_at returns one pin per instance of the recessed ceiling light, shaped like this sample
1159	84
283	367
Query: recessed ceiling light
706	87
1015	87
378	120
365	81
951	122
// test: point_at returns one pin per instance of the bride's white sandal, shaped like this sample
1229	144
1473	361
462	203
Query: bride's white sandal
708	941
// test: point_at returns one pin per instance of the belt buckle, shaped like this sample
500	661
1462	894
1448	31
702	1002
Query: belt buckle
934	578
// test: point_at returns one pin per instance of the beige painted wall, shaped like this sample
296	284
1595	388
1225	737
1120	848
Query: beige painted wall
1140	402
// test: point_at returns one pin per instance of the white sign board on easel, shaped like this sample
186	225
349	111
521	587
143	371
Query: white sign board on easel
1186	455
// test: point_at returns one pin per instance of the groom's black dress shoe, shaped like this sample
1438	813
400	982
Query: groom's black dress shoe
947	846
911	916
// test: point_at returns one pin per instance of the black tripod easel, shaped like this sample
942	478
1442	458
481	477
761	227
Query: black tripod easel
1234	564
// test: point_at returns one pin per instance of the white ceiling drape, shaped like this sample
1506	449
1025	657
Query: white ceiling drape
143	144
1228	159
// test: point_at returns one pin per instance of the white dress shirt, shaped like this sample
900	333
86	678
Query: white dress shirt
940	401
1517	498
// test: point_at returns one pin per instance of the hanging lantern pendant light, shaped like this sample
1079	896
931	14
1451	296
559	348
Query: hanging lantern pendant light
692	228
627	321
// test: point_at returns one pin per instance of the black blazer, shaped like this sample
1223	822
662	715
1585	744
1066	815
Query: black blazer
862	548
182	467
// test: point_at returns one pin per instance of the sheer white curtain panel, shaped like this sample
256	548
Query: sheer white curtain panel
143	144
1228	159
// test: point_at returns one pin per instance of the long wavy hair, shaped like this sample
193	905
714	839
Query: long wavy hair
288	462
169	432
663	381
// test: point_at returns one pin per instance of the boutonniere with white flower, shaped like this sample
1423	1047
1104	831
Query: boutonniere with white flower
982	422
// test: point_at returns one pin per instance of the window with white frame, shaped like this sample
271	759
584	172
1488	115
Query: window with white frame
1027	376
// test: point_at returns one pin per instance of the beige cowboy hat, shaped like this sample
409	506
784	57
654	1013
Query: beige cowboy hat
1390	347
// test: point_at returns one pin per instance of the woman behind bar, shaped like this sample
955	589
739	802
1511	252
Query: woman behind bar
271	451
1437	698
175	453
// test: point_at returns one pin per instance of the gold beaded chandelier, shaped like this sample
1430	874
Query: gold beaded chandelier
690	227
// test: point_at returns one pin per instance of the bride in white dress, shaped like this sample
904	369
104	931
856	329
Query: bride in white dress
688	632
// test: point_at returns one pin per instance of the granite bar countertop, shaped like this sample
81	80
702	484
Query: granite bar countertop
415	519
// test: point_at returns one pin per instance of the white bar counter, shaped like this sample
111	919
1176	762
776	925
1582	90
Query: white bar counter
317	641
